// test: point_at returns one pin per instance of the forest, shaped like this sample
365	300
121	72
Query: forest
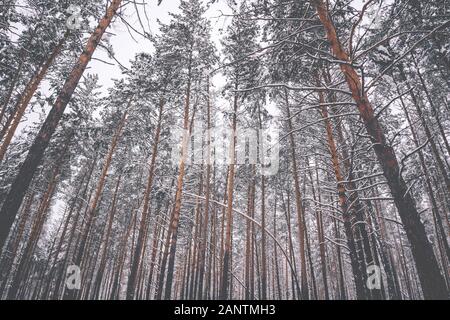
250	149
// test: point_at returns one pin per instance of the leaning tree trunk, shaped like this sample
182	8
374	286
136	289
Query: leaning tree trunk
435	112
344	204
80	251
22	181
9	95
357	208
433	283
439	226
98	279
139	252
27	258
434	149
13	121
172	234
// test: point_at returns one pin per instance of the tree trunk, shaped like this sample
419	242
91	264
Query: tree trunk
320	235
22	104
172	234
35	154
9	95
204	233
299	206
105	242
343	202
139	252
224	292
428	134
433	283
80	252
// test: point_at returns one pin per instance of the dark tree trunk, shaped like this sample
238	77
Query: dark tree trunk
433	283
22	181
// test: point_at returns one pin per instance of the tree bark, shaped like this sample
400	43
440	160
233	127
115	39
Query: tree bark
35	154
433	283
299	207
172	234
139	252
224	292
22	104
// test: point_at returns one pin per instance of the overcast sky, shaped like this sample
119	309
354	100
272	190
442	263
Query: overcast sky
125	47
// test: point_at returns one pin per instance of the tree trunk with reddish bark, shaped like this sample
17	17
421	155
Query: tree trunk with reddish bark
433	283
35	154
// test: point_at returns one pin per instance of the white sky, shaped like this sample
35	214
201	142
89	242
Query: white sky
126	48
